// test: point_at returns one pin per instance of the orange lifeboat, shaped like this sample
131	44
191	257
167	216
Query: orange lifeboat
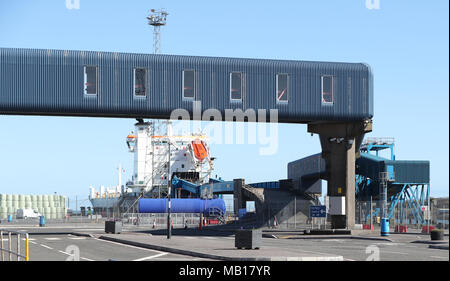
199	148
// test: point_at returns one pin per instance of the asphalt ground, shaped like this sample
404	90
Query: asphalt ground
51	244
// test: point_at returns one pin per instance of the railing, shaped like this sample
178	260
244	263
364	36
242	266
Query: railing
379	141
158	220
10	251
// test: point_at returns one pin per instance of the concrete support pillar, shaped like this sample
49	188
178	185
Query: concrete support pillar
237	194
340	147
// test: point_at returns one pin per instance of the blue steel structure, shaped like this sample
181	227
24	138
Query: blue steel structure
216	187
410	186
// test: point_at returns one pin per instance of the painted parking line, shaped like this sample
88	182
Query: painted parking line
438	257
81	258
151	257
47	247
391	252
126	245
64	253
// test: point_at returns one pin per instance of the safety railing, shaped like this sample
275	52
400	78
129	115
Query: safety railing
12	251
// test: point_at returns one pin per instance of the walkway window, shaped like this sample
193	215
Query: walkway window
282	88
90	80
236	86
327	89
140	82
188	84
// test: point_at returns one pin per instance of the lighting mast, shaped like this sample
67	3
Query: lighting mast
157	18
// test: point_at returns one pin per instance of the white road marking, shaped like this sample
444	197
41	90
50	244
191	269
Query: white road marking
212	238
33	242
64	253
151	257
130	246
52	238
45	246
438	257
77	238
86	259
389	244
391	252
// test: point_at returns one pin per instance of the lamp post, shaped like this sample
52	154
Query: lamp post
169	189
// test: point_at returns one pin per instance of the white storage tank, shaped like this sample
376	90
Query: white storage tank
12	211
3	212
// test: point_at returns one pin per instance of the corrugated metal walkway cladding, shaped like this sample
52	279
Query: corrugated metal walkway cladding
52	82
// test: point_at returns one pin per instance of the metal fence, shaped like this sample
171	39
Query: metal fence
403	214
14	249
158	220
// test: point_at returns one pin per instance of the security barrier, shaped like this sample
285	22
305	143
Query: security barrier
10	251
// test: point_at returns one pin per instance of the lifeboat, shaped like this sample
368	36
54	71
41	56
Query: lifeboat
199	148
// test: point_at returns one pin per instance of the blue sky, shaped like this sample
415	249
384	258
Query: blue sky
405	42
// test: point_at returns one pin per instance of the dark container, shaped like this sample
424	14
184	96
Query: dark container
113	227
437	235
248	239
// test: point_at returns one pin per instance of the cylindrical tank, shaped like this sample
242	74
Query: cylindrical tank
181	205
3	212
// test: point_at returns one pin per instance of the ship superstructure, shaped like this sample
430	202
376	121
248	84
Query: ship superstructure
158	157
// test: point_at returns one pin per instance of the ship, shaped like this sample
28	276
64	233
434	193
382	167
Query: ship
159	157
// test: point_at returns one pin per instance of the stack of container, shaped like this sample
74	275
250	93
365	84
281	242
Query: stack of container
50	206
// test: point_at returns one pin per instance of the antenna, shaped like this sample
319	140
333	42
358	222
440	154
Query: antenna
157	18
